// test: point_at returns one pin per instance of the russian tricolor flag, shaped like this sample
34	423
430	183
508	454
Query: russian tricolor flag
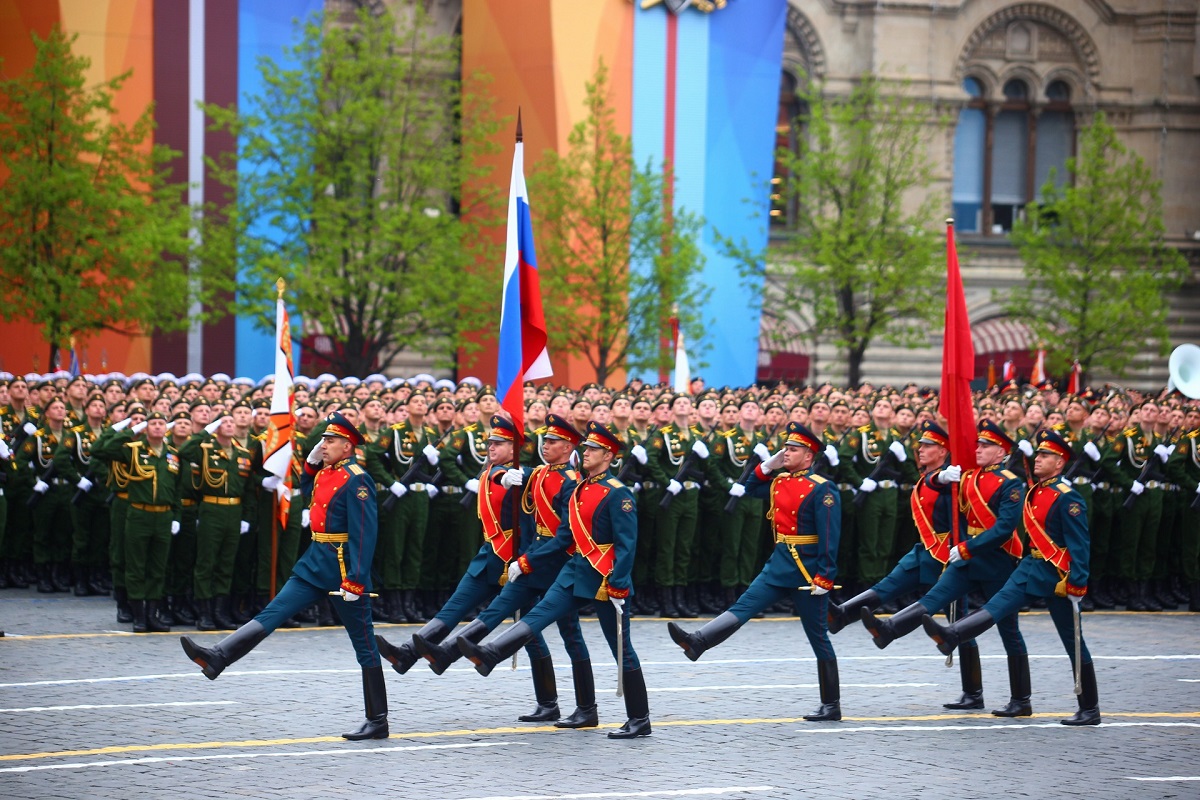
523	355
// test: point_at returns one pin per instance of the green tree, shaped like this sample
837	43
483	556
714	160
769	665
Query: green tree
348	183
863	260
615	260
1097	270
90	227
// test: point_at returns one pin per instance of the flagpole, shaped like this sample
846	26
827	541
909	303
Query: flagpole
280	285
518	441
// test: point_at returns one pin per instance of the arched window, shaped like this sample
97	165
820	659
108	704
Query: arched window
970	142
1056	137
788	130
1010	156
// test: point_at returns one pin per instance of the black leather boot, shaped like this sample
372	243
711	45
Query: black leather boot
375	702
44	584
709	604
221	614
847	612
637	707
1163	595
138	607
166	611
544	689
325	616
124	612
902	623
412	609
831	693
649	601
82	587
1194	603
1148	599
16	576
947	637
708	636
60	576
214	660
396	610
441	656
154	622
204	617
185	610
402	657
1018	683
486	657
972	679
1135	602
585	714
96	581
666	595
1089	699
685	601
1101	599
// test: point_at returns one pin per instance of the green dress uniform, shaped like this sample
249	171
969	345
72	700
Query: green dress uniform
463	458
89	547
439	560
1136	547
705	572
15	530
649	494
286	537
227	500
844	479
118	486
181	569
875	517
52	524
910	476
669	448
1184	469
731	449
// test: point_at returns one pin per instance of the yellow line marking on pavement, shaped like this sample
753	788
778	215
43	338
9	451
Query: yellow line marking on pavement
165	746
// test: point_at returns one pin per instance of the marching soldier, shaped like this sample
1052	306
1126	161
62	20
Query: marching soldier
343	517
1055	568
806	521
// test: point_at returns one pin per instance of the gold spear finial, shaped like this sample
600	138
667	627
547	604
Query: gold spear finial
280	285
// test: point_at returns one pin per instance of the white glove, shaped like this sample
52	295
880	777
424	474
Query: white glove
29	428
41	487
174	527
431	490
774	462
317	454
817	591
141	426
472	485
84	485
211	427
898	451
637	487
1137	487
1162	452
511	478
245	527
955	554
618	604
514	571
737	490
397	488
831	455
639	452
171	424
271	482
5	452
674	487
1091	451
762	452
1075	601
573	459
123	424
700	448
868	485
950	474
431	454
1025	447
349	597
304	518
1198	488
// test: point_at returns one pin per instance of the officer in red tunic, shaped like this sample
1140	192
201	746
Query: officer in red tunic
344	529
806	517
1056	568
599	532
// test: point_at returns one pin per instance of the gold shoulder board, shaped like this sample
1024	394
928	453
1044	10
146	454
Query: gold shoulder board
817	478
616	484
355	469
1007	474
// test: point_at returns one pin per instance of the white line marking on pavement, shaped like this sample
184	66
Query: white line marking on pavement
1018	727
165	675
120	705
810	659
786	686
709	791
1190	680
1172	778
280	754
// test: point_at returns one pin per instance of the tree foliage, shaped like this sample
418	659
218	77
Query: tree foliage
348	183
616	263
1097	270
90	227
863	260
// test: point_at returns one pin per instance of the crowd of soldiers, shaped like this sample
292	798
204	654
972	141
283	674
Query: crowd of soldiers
153	489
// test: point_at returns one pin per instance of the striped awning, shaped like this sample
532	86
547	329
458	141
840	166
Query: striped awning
1001	335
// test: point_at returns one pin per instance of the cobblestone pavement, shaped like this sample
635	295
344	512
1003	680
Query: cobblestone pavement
90	712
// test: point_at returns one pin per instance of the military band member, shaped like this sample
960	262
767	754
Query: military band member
600	532
1056	568
807	521
344	528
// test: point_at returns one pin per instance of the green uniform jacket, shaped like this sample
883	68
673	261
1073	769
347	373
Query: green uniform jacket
153	477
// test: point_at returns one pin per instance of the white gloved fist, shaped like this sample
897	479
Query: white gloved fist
123	424
674	487
305	515
245	527
897	450
639	452
1091	451
349	597
171	424
431	490
762	452
5	451
955	554
511	478
472	485
174	527
817	591
211	428
397	488
41	487
737	490
831	455
868	485
950	474
1025	447
1075	600
84	485
271	482
1137	487
29	428
317	454
1198	488
141	426
514	571
700	448
431	454
774	462
573	459
1162	452
618	604
637	487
